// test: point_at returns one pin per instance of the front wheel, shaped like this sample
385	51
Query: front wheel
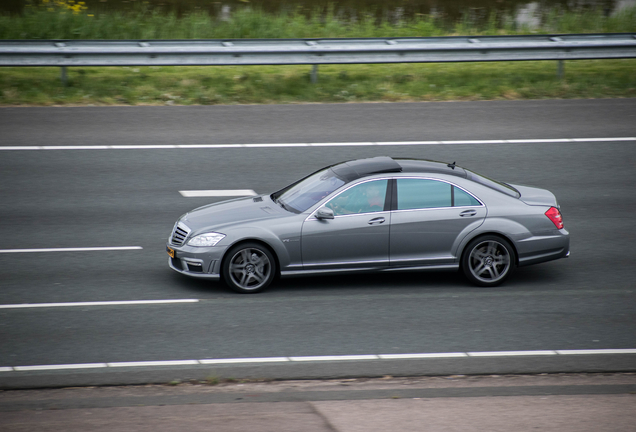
487	261
249	268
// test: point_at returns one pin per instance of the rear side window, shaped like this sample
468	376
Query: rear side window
420	193
424	193
463	199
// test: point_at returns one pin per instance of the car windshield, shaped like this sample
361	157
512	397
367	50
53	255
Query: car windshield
493	184
303	194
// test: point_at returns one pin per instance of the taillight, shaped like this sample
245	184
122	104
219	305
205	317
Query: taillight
554	215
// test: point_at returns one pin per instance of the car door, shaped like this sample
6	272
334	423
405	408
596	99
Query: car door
429	220
357	236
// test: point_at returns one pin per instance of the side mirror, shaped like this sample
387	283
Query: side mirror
324	213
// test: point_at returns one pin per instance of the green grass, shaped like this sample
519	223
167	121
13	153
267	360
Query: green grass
291	84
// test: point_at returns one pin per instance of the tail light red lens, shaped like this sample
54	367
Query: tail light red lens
554	215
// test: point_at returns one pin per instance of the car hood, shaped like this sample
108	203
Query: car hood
536	196
240	210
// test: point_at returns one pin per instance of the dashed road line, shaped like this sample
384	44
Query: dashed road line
325	144
366	357
96	303
71	249
217	193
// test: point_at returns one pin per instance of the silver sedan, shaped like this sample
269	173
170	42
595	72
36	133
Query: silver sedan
377	214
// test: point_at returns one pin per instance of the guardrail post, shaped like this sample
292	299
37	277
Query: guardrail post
560	69
63	76
314	74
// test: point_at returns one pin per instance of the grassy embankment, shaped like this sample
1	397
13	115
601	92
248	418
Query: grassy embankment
291	84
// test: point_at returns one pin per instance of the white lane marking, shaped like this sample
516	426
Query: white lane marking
78	249
510	353
61	366
245	360
424	355
154	363
597	351
315	358
335	358
326	144
96	303
217	193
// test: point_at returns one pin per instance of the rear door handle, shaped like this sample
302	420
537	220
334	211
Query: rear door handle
468	213
377	220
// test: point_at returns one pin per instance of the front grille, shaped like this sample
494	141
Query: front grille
179	234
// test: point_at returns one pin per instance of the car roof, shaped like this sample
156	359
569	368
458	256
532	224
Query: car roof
355	169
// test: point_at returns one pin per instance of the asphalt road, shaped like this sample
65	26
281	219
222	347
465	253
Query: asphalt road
130	197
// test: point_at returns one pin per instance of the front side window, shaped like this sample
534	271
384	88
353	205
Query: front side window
366	197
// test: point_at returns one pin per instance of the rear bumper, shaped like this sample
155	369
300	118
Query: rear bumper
535	250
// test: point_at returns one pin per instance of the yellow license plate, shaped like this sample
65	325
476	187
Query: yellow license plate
170	252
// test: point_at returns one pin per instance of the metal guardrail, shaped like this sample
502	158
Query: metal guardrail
241	52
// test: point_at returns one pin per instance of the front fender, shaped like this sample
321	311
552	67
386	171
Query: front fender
284	241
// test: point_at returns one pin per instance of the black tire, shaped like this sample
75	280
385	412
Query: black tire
249	268
487	261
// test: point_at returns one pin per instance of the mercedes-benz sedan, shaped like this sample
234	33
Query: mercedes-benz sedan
377	214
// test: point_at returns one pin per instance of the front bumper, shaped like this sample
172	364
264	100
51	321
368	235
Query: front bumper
197	262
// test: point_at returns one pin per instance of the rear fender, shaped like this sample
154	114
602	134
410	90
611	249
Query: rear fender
506	228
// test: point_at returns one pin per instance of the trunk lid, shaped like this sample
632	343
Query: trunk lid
536	196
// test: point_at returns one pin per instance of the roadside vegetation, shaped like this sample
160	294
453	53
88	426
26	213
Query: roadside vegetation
58	19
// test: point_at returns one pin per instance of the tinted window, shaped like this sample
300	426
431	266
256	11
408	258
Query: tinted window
363	198
420	193
464	199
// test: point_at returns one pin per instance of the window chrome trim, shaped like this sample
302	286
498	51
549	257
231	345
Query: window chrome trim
481	204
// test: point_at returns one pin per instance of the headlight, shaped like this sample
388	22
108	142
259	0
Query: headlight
206	239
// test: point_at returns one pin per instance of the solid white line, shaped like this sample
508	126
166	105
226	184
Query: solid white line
245	360
327	144
61	366
96	303
510	353
424	355
79	249
154	363
335	358
317	358
217	193
597	351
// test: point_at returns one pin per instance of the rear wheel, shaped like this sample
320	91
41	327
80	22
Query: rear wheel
249	268
487	261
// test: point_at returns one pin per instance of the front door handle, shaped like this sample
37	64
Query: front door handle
377	220
468	213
